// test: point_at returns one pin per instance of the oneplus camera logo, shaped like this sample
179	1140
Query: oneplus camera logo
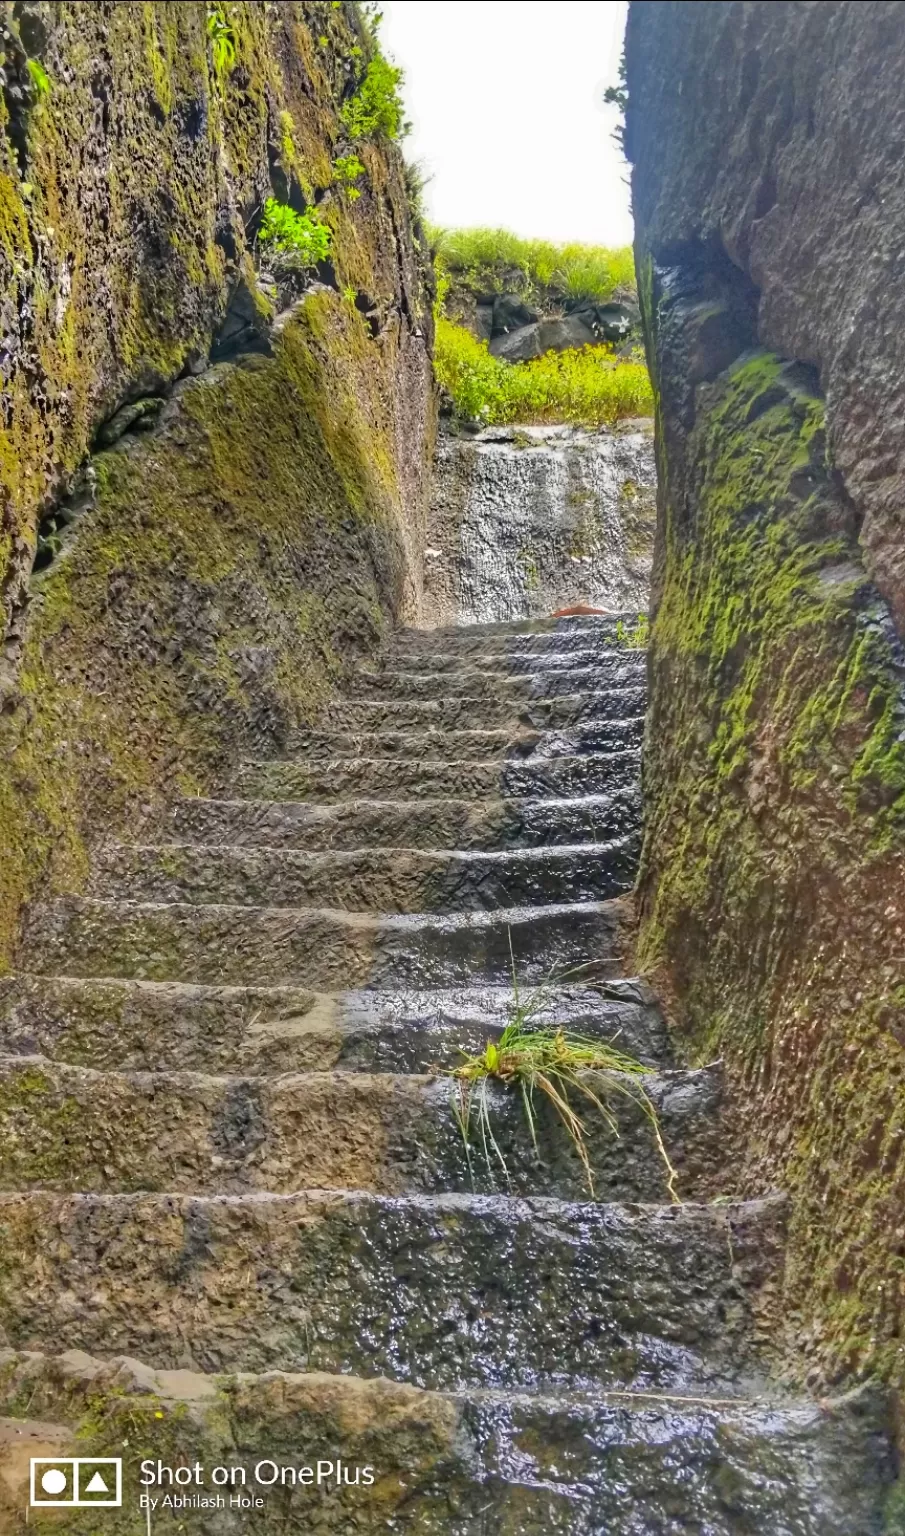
76	1482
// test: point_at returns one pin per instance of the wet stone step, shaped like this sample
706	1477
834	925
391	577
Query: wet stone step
483	1461
445	1291
711	1467
519	633
336	779
431	824
509	663
372	880
519	738
463	713
610	674
323	950
74	1129
161	1026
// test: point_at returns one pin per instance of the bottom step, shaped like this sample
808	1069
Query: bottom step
383	1457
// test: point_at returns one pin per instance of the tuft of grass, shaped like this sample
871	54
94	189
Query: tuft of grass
587	386
572	1072
495	260
636	638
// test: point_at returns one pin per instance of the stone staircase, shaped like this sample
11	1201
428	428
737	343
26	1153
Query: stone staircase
239	1211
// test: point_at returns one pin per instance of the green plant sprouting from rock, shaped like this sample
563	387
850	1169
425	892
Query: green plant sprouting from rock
297	239
636	637
39	78
347	169
376	108
223	39
565	1069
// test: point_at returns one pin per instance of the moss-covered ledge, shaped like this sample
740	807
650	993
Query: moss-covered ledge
232	563
773	903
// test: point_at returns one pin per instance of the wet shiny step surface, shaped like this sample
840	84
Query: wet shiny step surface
568	1463
439	1291
333	780
434	824
227	1144
245	945
74	1128
372	880
176	1026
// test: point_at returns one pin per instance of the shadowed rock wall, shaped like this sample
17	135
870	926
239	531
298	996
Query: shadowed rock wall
525	520
769	187
199	586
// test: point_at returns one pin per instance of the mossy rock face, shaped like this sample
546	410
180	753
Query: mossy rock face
220	563
772	892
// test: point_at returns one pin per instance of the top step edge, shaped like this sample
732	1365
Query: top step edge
566	624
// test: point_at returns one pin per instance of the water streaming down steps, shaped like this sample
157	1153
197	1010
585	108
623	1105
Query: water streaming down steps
224	1149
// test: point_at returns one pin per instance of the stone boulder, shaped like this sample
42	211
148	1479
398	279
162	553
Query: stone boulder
610	322
542	336
511	313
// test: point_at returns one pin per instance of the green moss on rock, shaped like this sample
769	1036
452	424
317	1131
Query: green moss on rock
268	530
772	900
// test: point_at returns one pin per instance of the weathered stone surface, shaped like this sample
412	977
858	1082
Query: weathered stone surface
446	823
461	712
795	168
332	780
211	577
539	1465
527	519
260	946
442	1291
75	1129
772	880
149	1026
367	880
533	340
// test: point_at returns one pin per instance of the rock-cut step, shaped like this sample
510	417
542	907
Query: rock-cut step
332	780
175	1026
426	738
607	674
447	1291
562	1465
323	950
371	880
462	714
485	825
73	1128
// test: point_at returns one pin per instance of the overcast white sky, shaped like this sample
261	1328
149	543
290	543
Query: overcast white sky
508	122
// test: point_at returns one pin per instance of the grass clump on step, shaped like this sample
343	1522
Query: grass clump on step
587	386
565	1069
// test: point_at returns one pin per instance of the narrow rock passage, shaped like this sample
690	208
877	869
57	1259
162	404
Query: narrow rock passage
225	1147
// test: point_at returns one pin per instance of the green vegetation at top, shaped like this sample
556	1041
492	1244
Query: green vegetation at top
586	386
496	261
